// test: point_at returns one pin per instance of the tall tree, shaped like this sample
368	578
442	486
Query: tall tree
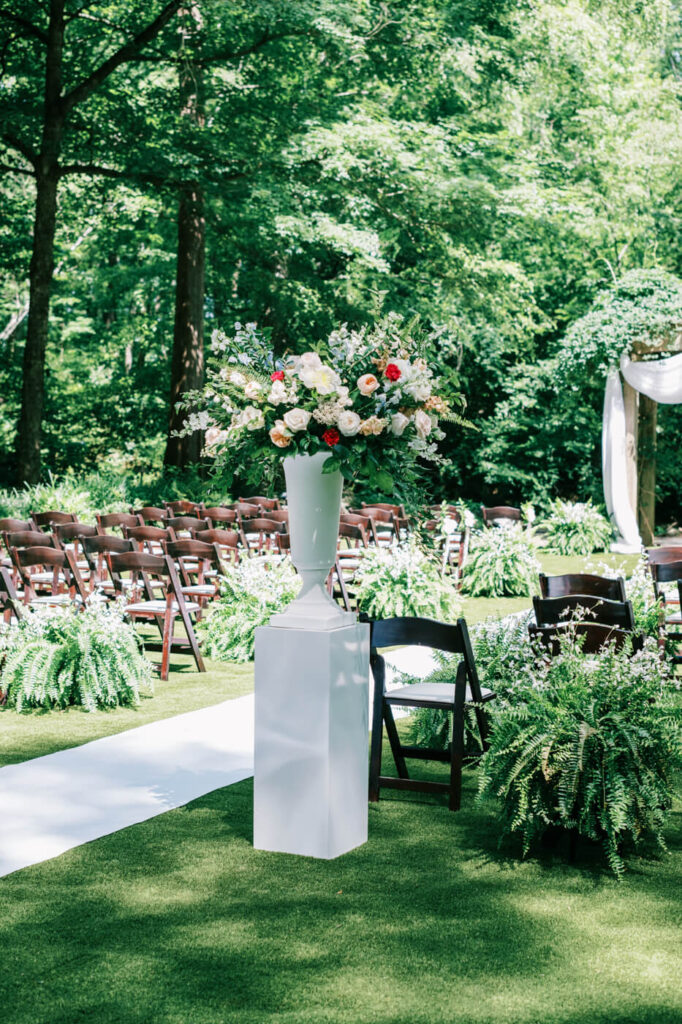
44	159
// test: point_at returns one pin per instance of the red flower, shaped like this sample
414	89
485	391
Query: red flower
331	437
277	375
393	372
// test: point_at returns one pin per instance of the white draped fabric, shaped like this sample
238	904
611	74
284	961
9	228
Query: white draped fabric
660	380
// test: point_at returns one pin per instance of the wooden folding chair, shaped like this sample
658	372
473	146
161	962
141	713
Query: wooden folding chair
583	583
185	524
401	520
10	604
149	538
261	534
67	586
495	514
142	569
200	565
550	611
671	626
465	691
228	542
10	525
383	522
182	507
355	519
70	536
245	510
97	551
454	544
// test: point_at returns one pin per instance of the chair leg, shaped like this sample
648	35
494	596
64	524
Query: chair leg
394	740
376	746
457	745
165	650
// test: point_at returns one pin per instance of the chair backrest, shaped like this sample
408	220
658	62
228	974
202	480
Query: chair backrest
583	583
97	551
228	541
117	520
494	513
557	610
190	524
668	553
10	525
267	504
202	552
278	515
65	532
441	636
182	507
53	518
596	635
53	558
144	537
397	510
150	514
359	532
245	510
664	572
218	514
450	511
378	515
29	539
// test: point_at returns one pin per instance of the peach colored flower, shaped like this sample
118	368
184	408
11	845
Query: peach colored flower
373	425
422	422
367	384
279	435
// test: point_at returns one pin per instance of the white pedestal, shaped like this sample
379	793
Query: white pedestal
311	740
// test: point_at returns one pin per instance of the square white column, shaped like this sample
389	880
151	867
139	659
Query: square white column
311	740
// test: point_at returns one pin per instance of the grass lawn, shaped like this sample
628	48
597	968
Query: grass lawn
36	733
179	921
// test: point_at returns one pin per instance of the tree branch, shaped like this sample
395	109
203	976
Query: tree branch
125	53
96	169
21	147
244	51
16	170
24	23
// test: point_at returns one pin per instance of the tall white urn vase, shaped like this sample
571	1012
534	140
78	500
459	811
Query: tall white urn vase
314	502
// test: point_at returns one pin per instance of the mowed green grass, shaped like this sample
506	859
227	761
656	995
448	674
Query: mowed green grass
30	735
180	921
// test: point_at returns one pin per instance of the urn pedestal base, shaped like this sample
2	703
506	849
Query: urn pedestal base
311	729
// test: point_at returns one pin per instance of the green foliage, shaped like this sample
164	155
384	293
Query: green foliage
575	528
404	581
250	593
57	659
501	563
590	745
504	655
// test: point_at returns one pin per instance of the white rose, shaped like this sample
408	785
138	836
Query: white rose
344	395
422	422
256	420
253	390
278	393
311	360
419	391
398	423
296	419
348	423
237	378
367	384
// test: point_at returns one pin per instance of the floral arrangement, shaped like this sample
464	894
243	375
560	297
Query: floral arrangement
55	659
250	593
367	397
575	528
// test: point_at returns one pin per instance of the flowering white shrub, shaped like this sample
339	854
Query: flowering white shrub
53	659
575	528
250	593
404	581
501	563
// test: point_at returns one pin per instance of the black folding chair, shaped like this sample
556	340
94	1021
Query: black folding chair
551	611
465	691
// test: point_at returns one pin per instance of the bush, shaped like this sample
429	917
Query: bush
589	745
504	655
501	563
249	594
61	658
575	528
404	581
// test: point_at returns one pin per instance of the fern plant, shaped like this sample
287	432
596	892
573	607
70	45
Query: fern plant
501	563
591	745
575	528
57	659
404	581
249	594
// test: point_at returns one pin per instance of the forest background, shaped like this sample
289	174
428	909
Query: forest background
492	166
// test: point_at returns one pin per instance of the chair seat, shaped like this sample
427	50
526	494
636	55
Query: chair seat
46	577
439	693
200	589
52	599
159	607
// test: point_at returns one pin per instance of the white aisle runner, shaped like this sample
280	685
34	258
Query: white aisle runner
50	804
53	803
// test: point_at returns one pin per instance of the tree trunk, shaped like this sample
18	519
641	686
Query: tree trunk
187	362
646	512
42	258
